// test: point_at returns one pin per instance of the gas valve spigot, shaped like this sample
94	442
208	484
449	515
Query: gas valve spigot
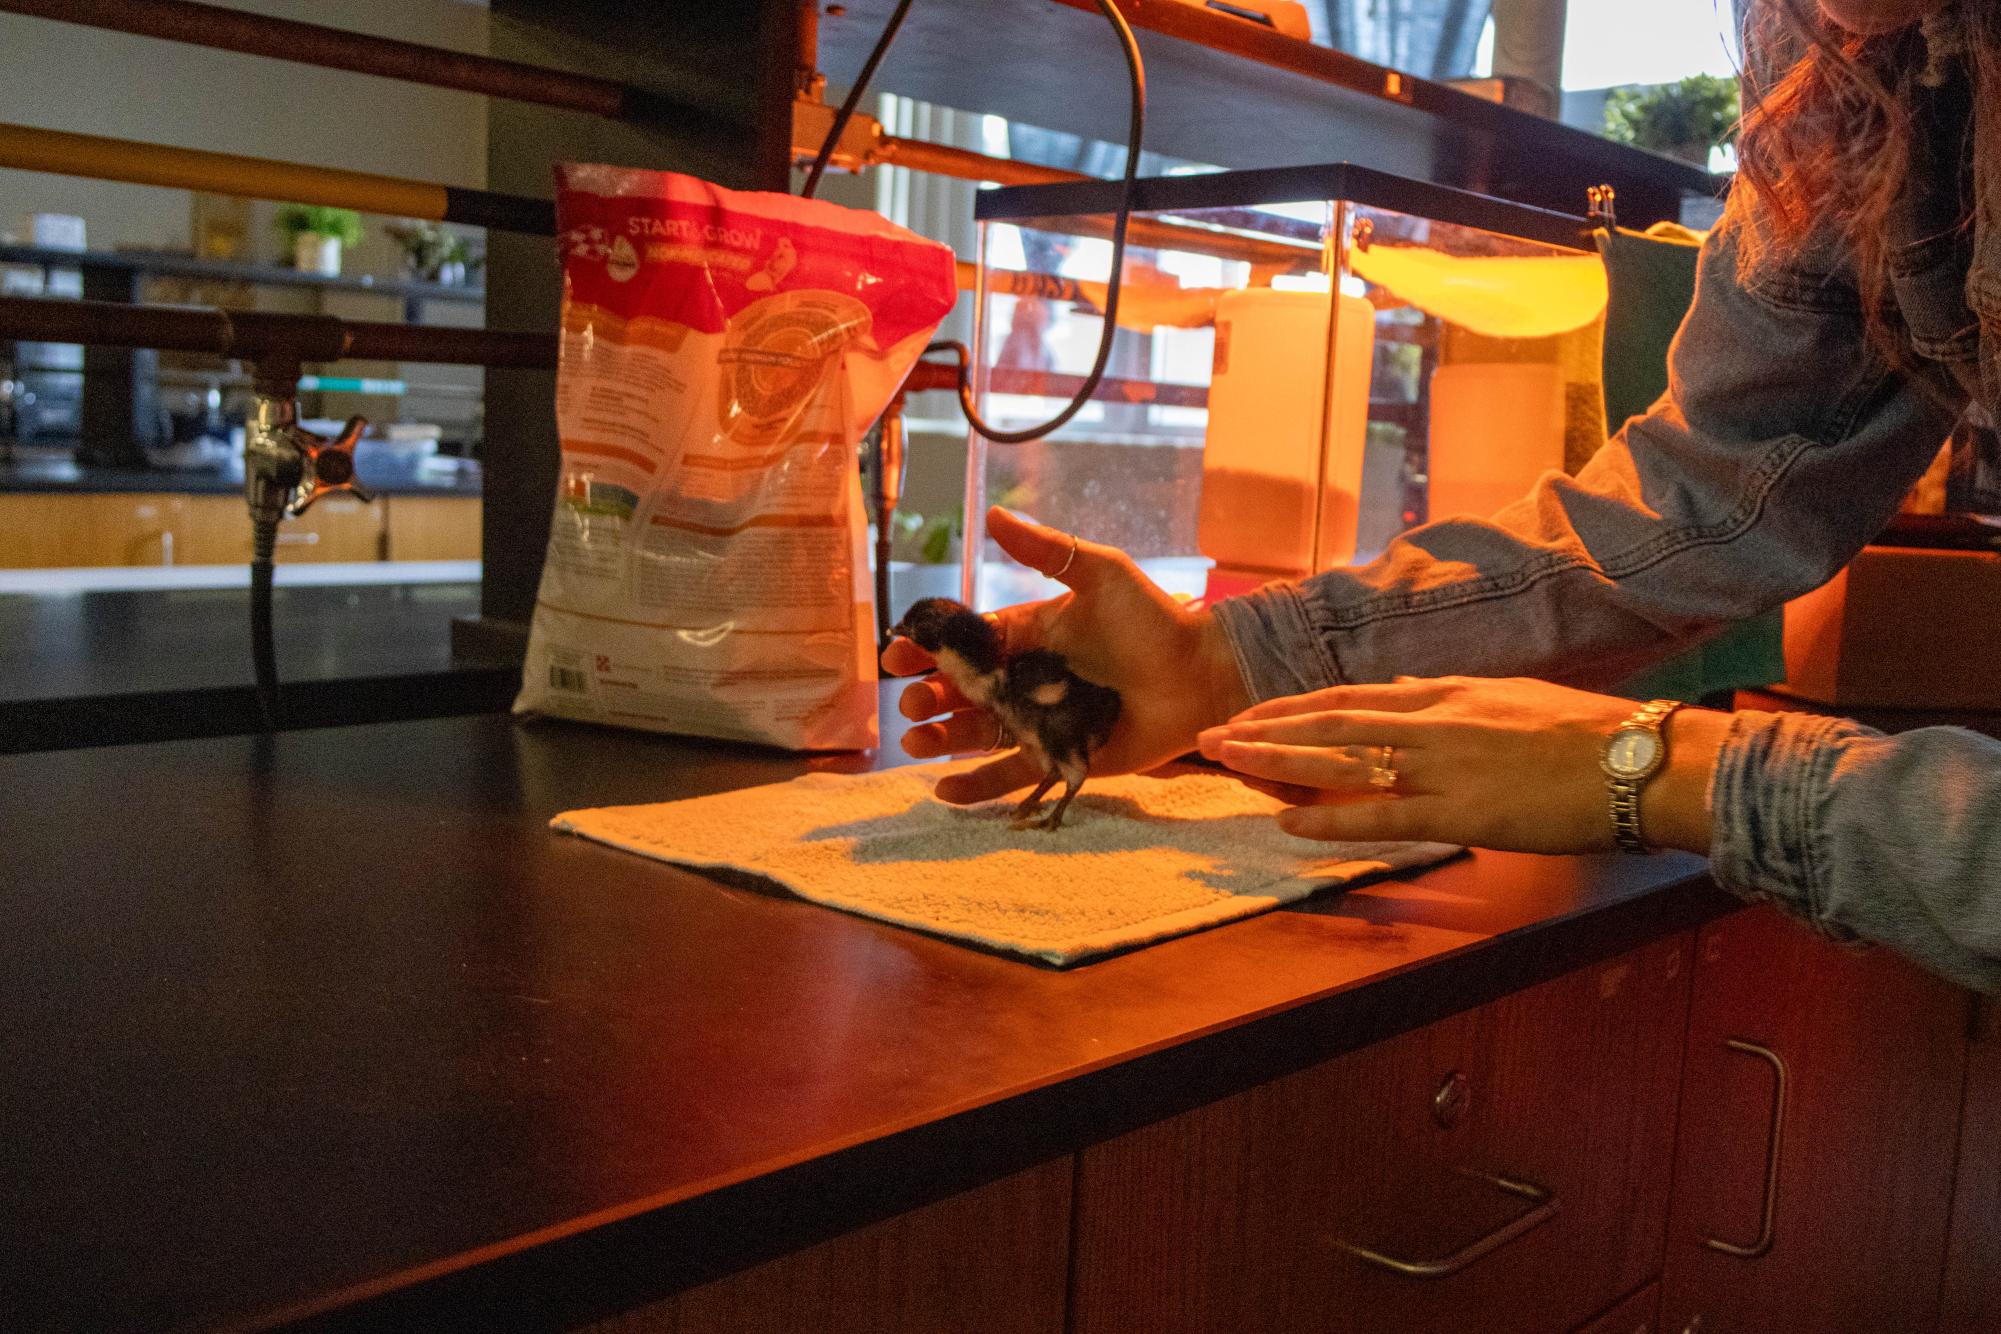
286	467
329	464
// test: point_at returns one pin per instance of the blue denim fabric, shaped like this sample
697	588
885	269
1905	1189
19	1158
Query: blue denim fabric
1784	443
1892	839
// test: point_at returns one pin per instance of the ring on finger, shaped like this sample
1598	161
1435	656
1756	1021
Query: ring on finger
1064	568
1000	735
1383	773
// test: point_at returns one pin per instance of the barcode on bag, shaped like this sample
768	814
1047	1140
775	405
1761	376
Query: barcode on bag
568	678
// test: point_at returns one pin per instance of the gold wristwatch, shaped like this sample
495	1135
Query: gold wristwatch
1634	753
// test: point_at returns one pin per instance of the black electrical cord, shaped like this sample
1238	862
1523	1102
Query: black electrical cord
263	648
1135	134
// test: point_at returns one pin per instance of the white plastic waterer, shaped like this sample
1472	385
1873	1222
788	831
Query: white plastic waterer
1281	378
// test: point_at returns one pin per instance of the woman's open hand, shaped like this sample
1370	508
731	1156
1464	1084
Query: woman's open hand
1510	764
1117	628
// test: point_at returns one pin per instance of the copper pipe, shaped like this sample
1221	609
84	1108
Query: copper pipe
929	376
335	48
248	335
1111	389
261	336
807	80
1151	232
27	148
964	163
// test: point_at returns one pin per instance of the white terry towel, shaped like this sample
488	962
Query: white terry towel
1139	858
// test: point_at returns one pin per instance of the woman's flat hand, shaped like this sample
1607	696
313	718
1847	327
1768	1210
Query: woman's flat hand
1511	764
1169	664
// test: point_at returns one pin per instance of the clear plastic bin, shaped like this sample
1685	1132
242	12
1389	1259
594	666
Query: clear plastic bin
1309	360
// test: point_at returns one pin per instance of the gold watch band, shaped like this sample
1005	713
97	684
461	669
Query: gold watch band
1625	792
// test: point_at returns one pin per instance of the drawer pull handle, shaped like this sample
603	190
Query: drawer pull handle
1445	1266
1769	1210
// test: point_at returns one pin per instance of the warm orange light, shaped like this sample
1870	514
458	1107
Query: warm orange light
1500	296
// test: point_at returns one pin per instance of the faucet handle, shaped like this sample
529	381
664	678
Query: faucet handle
329	465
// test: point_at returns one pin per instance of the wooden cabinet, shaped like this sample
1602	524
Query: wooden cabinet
1971	1299
988	1261
432	527
1593	1155
338	528
39	532
48	531
1512	1161
1830	1217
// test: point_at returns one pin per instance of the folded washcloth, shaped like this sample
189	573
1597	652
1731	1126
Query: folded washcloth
1138	859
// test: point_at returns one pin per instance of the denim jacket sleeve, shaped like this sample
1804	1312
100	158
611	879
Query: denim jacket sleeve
1894	839
1783	444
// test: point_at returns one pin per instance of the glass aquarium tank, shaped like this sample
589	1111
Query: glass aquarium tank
1308	361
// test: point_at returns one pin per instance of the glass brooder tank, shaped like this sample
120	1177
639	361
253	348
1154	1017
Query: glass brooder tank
1308	361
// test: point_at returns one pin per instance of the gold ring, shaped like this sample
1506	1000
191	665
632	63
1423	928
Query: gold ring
1000	734
1065	567
1383	776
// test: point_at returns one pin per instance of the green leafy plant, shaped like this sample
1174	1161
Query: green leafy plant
933	536
343	224
1683	120
429	249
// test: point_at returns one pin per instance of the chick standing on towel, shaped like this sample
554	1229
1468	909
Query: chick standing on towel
1056	716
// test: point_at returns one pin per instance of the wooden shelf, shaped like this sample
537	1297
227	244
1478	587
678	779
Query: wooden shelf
143	264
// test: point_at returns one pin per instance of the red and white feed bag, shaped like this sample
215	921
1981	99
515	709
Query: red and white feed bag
722	355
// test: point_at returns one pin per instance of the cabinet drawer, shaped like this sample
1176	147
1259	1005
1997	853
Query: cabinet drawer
1814	1176
115	529
62	531
1508	1168
432	527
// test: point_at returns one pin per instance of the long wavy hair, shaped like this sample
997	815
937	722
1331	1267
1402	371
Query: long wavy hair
1828	145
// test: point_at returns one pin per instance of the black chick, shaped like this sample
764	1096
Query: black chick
1054	714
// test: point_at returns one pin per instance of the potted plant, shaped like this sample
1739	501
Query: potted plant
434	254
1684	120
317	234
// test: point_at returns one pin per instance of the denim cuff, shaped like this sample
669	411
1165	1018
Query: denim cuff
1766	797
1274	644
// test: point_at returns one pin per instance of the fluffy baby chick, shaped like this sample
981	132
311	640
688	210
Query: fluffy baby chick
1055	715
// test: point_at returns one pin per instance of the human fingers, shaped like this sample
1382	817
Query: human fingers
993	779
1404	695
1352	727
964	732
1292	794
904	658
1331	769
1051	552
1388	819
929	698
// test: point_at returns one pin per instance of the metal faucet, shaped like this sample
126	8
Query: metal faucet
286	467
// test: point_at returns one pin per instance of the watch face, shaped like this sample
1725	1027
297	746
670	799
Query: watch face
1632	752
